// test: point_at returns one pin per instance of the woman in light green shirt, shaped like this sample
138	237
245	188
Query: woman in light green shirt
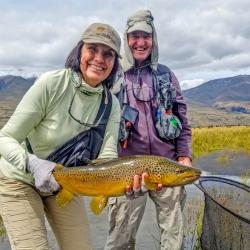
43	116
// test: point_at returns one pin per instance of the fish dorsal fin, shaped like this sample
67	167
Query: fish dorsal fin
97	204
100	161
64	197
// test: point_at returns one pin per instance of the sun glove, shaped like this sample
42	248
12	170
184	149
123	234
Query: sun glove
42	173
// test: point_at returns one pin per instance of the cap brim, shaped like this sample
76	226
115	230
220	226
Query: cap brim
96	40
141	26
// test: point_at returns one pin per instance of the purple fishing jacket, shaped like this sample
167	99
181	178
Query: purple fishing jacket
140	89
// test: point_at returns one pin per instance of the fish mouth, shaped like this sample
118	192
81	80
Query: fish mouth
192	177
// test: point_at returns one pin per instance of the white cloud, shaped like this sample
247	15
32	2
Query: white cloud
197	39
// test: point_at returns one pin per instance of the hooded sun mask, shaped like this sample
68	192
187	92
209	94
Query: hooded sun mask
140	21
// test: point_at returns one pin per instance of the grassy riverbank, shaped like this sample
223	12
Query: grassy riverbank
207	140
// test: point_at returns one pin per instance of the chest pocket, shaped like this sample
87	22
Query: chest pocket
167	124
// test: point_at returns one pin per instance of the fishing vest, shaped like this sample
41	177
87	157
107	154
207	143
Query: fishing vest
84	147
167	124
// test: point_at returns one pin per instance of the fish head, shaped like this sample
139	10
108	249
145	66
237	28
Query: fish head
181	176
171	173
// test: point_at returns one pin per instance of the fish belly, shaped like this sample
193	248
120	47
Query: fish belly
93	188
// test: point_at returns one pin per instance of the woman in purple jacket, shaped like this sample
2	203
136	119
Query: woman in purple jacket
153	122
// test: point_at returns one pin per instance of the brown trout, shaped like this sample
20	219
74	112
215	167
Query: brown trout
105	178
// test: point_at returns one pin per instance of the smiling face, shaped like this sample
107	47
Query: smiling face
140	44
96	64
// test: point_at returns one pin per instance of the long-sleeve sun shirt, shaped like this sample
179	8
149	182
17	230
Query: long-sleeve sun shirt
42	116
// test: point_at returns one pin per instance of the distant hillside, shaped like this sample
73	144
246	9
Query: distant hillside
224	101
12	88
205	116
221	90
218	102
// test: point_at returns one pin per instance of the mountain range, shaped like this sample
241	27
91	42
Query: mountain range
224	101
235	88
14	87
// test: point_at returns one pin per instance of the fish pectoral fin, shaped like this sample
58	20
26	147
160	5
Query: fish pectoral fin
149	185
64	197
58	167
97	204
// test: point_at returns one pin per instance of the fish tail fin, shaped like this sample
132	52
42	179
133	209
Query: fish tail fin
97	204
64	197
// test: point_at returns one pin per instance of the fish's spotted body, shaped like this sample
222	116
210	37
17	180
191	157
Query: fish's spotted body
105	178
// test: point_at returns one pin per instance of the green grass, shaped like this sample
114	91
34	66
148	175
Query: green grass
198	226
2	228
207	140
245	177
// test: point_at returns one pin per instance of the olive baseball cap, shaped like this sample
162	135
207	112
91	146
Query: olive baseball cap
104	34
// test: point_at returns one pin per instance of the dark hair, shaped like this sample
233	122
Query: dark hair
73	62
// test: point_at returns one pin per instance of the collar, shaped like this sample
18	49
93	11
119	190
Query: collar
78	82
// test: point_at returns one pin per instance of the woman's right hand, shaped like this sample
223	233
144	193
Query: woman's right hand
42	173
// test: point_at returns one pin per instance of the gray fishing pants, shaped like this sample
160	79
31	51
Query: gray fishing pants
125	217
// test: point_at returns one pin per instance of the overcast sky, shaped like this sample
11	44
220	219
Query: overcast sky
199	40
